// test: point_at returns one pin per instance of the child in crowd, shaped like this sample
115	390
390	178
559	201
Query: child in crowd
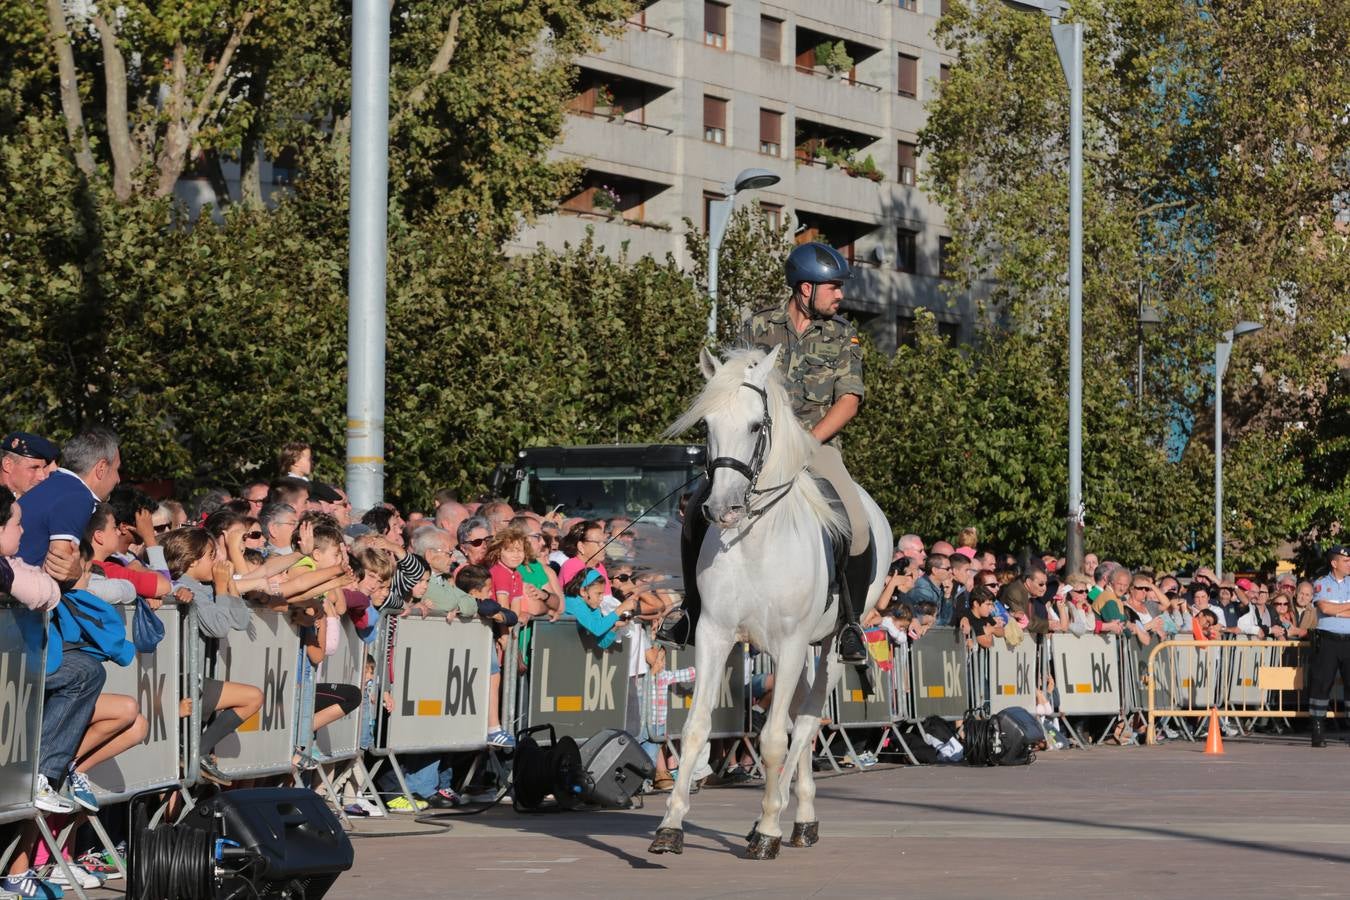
191	557
476	581
507	552
332	700
656	710
582	596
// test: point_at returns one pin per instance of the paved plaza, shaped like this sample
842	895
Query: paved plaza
1268	818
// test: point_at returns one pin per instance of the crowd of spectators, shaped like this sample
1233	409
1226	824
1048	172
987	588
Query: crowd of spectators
290	544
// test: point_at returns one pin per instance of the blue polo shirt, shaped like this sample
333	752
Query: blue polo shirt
1328	588
58	509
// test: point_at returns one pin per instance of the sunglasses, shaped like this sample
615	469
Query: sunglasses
1279	603
476	542
622	578
160	529
1078	591
253	535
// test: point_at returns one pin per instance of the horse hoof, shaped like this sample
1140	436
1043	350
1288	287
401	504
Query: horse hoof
668	840
804	834
763	847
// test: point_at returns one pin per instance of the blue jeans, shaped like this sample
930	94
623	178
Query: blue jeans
67	706
425	773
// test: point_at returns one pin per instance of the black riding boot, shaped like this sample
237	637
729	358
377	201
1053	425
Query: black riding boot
1319	738
695	528
857	575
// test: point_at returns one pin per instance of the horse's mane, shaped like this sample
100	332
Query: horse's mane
792	446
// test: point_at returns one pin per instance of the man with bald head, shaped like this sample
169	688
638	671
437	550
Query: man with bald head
911	545
449	515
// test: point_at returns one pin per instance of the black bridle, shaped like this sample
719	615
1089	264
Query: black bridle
752	470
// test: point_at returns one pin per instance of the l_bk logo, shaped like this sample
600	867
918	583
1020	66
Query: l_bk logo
16	698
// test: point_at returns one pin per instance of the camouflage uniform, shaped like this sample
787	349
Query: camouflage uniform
819	366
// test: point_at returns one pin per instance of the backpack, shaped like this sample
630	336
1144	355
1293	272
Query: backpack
84	622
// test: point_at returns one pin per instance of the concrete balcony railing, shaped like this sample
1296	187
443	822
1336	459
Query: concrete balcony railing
835	96
816	186
643	48
642	239
630	145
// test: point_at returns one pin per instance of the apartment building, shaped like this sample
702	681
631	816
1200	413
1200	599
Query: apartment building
827	94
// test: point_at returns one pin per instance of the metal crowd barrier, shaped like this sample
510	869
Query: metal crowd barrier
23	661
439	682
1242	679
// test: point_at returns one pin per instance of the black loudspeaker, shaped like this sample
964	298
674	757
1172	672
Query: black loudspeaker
617	766
271	842
539	771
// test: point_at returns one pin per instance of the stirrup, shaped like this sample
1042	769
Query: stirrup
855	630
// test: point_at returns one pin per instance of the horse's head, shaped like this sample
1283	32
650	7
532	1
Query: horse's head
739	431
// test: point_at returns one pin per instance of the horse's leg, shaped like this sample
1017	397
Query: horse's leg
710	656
806	829
767	836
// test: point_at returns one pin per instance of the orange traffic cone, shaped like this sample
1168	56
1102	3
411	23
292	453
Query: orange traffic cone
1214	737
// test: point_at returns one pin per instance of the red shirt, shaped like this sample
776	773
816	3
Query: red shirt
144	581
507	581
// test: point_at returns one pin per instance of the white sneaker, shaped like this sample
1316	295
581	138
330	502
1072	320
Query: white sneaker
83	877
48	800
372	809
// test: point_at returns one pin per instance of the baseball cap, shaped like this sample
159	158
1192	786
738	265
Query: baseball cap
324	493
1246	584
1338	550
30	445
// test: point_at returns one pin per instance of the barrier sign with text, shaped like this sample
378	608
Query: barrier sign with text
21	668
340	739
730	704
1086	673
267	656
1012	675
442	675
938	669
153	679
574	686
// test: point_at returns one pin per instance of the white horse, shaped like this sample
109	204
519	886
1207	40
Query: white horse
764	577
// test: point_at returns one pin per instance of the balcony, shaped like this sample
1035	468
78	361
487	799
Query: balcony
611	234
833	190
613	119
642	47
614	197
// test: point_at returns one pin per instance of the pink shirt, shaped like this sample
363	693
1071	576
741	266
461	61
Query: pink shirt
33	587
574	565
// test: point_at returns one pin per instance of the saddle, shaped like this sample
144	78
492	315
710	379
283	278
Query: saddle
836	547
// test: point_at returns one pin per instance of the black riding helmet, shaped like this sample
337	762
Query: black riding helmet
815	263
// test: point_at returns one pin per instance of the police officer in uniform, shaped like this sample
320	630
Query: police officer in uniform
1331	640
821	365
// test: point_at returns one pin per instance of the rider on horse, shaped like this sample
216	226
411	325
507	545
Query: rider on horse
821	365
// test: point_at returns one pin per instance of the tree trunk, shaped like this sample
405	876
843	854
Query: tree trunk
124	156
70	87
215	175
250	151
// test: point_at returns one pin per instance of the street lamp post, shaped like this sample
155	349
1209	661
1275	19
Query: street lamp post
1069	48
719	216
1148	318
1222	351
368	233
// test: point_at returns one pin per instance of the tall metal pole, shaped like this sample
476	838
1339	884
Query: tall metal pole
369	227
719	216
1139	339
1069	46
1222	350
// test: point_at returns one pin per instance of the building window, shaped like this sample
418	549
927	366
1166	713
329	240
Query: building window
907	81
714	120
911	5
773	215
907	250
715	24
944	72
949	332
905	153
771	38
770	132
905	333
944	262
